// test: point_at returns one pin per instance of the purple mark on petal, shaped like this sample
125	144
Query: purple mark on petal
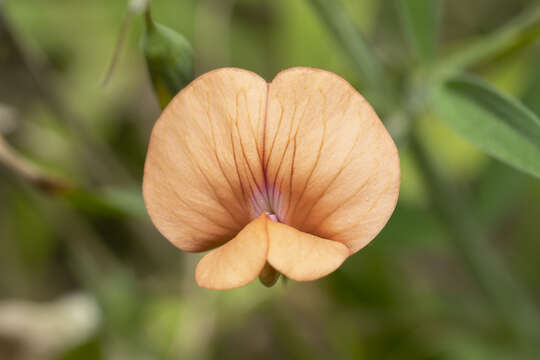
264	202
272	217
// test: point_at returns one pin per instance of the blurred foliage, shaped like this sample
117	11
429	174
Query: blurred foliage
416	292
496	123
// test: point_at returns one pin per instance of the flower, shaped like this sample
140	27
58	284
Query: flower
289	177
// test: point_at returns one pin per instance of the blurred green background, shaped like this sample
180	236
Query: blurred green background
85	275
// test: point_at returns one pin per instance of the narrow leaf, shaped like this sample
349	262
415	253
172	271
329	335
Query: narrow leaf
110	202
420	20
494	122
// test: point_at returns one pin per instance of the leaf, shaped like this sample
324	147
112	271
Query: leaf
420	19
169	59
494	122
110	202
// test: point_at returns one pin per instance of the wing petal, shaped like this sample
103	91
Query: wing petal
238	262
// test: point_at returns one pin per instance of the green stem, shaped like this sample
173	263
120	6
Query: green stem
513	304
77	196
519	31
28	171
349	38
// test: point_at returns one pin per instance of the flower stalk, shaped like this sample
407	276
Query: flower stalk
333	14
519	32
503	290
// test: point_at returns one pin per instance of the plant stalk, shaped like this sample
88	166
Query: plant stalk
29	172
514	305
333	14
519	32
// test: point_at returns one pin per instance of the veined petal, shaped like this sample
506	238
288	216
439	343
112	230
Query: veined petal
302	256
331	167
238	262
203	179
306	147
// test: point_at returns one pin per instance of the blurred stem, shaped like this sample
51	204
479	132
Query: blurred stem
513	304
93	202
135	7
111	282
82	200
518	32
212	34
349	38
150	25
101	160
28	171
90	257
118	47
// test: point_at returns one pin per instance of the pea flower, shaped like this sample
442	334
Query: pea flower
288	177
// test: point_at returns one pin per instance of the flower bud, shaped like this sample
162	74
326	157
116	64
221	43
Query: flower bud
169	58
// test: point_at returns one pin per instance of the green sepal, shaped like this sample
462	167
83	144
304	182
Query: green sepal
169	59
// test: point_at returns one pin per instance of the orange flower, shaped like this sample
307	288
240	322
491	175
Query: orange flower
289	177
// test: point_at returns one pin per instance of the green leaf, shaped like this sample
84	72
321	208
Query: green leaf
420	20
494	122
110	202
169	58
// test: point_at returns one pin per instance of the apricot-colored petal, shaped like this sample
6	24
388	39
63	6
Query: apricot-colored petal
238	262
332	169
302	256
203	179
307	147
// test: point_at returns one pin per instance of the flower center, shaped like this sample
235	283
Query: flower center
272	216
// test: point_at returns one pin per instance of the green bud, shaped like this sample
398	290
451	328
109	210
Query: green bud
169	58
